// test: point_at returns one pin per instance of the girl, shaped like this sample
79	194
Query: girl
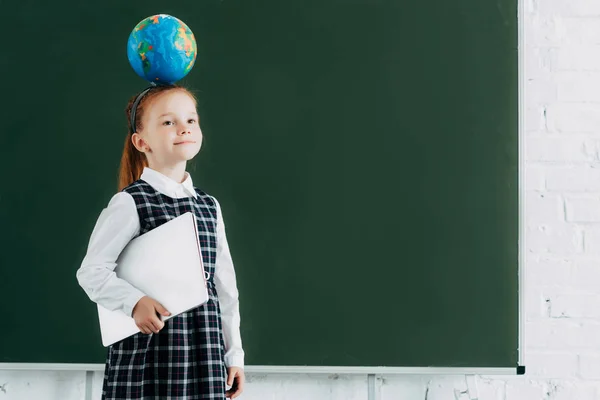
195	354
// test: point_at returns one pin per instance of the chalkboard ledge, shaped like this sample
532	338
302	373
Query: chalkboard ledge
299	369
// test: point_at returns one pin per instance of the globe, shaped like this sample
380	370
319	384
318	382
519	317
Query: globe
161	49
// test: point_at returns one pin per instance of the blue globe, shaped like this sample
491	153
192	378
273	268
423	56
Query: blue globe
161	49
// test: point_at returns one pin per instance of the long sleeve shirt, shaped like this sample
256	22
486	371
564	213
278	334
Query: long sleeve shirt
118	224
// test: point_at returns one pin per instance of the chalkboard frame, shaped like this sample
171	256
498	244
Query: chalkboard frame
520	369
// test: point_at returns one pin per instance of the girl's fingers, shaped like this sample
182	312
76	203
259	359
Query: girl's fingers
144	330
236	393
239	388
156	324
241	384
161	310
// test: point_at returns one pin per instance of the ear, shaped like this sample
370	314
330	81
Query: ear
139	143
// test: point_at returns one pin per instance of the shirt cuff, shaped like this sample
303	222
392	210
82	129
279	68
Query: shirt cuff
234	360
131	301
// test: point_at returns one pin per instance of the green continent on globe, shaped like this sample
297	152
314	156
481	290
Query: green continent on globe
143	48
185	41
141	26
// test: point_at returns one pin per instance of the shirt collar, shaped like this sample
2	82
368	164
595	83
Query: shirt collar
168	186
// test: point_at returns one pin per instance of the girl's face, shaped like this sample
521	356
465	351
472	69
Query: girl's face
171	130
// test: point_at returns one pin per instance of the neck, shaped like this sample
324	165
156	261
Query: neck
175	172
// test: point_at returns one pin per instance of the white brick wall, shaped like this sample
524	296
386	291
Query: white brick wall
562	293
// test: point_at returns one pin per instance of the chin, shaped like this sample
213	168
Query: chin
188	155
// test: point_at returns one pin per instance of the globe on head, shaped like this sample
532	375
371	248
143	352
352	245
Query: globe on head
161	49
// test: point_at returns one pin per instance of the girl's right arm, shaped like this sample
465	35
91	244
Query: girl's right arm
117	224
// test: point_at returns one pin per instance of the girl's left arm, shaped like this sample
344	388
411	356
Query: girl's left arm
225	282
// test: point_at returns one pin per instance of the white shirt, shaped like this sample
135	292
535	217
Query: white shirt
118	224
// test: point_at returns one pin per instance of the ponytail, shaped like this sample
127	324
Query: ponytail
133	161
132	164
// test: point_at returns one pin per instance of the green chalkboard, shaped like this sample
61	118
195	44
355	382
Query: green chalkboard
365	154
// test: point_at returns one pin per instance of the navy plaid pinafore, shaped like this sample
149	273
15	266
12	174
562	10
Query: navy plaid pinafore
185	360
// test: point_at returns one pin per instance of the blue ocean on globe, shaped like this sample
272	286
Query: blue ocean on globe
161	49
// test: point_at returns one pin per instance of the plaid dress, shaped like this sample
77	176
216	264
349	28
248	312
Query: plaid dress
185	359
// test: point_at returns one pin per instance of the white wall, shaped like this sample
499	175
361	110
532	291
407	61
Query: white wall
562	289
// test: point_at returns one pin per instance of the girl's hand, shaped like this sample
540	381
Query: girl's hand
235	379
145	315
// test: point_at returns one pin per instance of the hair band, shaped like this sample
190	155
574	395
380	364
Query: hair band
135	106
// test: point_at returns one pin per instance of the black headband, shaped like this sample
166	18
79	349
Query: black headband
137	102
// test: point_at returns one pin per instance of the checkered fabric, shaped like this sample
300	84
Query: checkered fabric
185	359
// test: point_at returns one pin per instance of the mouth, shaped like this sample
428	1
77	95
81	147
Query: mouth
186	142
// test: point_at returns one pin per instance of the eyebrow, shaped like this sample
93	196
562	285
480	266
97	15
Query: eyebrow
169	113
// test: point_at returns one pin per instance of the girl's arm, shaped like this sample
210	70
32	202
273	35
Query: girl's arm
117	224
228	297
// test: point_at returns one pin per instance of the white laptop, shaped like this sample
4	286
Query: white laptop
165	264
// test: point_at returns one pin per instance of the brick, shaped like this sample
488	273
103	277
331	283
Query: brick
535	179
576	273
544	334
539	62
592	146
591	240
545	271
585	275
562	334
521	389
585	335
561	31
546	32
493	389
535	119
541	91
572	87
573	117
568	8
559	148
578	30
570	390
583	209
403	387
589	366
551	365
555	238
574	57
573	179
543	208
534	303
575	305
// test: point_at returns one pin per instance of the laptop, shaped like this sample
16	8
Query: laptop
165	264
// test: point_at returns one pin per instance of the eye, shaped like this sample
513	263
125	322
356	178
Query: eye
191	121
167	123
